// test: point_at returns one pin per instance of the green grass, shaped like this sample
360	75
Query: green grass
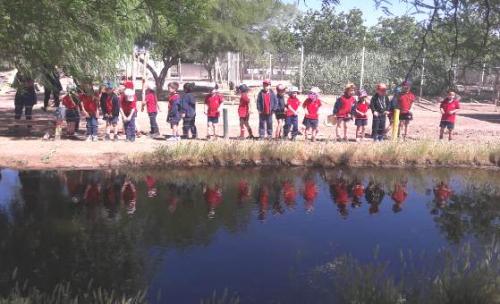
227	153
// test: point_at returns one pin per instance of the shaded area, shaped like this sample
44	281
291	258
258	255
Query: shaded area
492	118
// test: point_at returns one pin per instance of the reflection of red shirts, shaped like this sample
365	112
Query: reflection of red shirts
447	108
442	193
68	102
150	182
312	108
151	102
267	102
289	193
399	195
264	197
346	105
292	103
341	194
73	187
92	194
310	191
129	194
213	196
213	103
89	104
405	101
243	108
110	194
243	190
363	108
358	191
128	106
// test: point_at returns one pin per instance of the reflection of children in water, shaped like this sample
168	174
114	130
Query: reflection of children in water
213	198
151	184
129	196
289	194
310	193
263	202
399	196
374	196
243	191
340	196
358	190
112	191
442	193
74	185
92	193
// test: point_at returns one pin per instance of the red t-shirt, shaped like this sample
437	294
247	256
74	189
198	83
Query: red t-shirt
363	108
171	99
405	102
312	108
150	182
442	193
358	191
243	190
289	193
213	103
151	103
68	102
447	108
310	191
267	103
243	108
292	103
128	106
109	105
213	197
89	104
341	194
129	194
346	104
399	195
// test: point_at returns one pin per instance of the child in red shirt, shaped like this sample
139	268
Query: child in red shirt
291	112
449	108
128	111
213	101
343	109
310	193
244	112
405	102
361	116
151	105
311	118
174	110
399	197
72	104
90	111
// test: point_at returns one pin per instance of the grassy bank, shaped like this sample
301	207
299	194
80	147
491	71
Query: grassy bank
269	153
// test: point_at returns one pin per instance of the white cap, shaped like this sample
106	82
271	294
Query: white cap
293	89
315	90
130	94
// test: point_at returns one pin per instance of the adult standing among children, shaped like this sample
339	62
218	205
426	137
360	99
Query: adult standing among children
379	106
405	103
280	110
266	105
25	98
52	86
188	108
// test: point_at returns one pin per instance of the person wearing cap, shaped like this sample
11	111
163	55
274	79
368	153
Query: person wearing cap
343	108
361	117
244	111
266	105
291	112
379	106
188	108
405	102
90	110
213	101
73	106
174	110
110	108
128	112
150	103
311	106
449	108
280	110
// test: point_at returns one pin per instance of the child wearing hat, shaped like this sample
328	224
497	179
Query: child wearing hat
292	118
90	110
361	116
343	109
110	108
266	105
150	103
280	110
311	106
379	106
72	104
449	108
405	102
174	110
188	106
128	111
213	101
244	111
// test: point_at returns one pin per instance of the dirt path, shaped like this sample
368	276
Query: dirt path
477	124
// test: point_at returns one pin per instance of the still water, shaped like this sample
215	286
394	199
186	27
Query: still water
266	235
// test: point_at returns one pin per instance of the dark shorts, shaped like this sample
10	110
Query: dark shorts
280	115
244	119
214	120
111	120
173	121
72	115
361	122
447	125
344	118
310	123
405	116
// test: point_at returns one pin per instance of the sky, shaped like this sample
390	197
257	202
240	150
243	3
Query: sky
370	13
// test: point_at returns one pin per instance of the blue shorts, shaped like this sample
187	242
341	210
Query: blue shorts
447	125
72	115
310	123
361	122
214	120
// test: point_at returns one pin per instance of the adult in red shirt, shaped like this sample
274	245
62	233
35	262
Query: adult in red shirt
213	101
361	117
128	111
343	109
244	112
449	108
292	114
311	106
405	102
90	110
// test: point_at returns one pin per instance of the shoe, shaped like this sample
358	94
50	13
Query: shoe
89	138
107	137
95	138
172	138
115	138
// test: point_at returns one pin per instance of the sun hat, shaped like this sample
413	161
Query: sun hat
280	88
293	89
266	82
315	90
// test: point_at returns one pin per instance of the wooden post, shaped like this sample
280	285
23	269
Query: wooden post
226	124
395	126
301	75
